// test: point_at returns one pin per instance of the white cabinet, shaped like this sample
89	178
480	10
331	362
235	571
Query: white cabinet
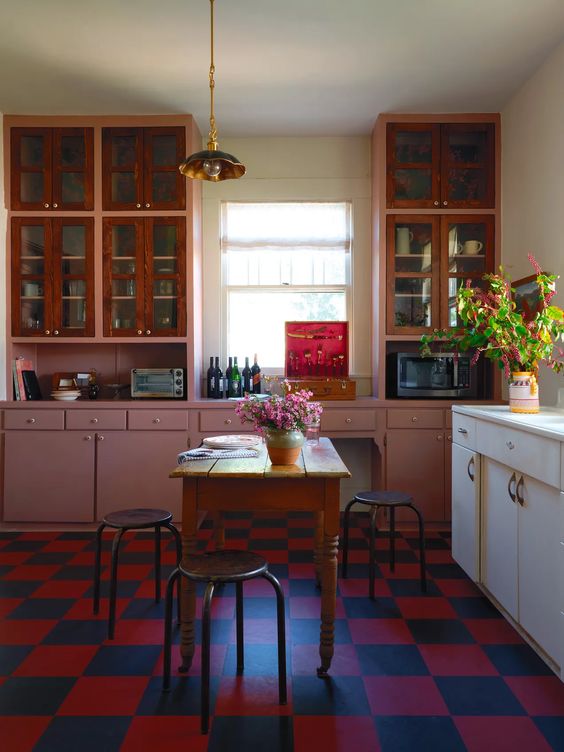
466	510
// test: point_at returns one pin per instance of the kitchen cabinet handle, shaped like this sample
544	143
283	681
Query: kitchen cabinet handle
138	206
147	206
46	206
47	331
435	203
156	420
471	464
519	495
139	331
93	420
462	431
88	438
30	420
227	421
55	206
99	437
55	331
414	419
510	445
445	203
509	491
449	437
348	420
439	437
148	331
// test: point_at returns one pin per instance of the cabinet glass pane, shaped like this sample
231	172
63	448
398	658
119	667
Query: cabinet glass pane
467	184
123	313
164	151
413	247
467	248
124	151
32	259
123	266
163	186
31	187
124	288
413	146
32	314
72	187
164	313
413	184
31	151
124	187
468	147
164	240
73	151
412	301
124	241
73	313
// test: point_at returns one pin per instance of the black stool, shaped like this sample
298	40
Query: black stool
213	568
132	519
391	500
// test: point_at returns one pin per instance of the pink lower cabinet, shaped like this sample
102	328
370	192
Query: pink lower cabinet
132	469
48	476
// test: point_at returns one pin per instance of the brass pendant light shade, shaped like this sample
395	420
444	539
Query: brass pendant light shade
211	163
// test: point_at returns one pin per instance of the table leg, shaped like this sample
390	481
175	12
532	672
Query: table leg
188	588
318	547
329	575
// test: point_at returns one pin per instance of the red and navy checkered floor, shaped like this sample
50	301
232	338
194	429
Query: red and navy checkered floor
411	673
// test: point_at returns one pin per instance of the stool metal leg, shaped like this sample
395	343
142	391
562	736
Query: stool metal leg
113	582
205	691
421	548
178	540
157	563
346	516
239	620
97	567
392	538
174	577
281	618
372	552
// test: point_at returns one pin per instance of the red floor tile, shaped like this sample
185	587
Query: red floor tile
57	660
335	734
380	632
62	589
21	734
458	588
25	631
492	631
358	588
305	660
309	607
539	695
83	609
32	572
250	695
425	607
167	733
457	660
139	632
104	695
506	734
7	605
404	695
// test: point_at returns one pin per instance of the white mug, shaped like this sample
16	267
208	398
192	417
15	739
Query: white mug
472	247
404	236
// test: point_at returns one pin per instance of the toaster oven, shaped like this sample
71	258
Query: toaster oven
158	383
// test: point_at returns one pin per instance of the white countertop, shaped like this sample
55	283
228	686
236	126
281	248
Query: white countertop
549	422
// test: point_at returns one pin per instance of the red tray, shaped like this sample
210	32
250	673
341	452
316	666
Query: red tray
317	349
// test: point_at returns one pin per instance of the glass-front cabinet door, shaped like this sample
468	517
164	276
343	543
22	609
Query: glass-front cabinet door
413	274
53	277
144	277
164	185
122	164
467	244
413	154
467	165
52	168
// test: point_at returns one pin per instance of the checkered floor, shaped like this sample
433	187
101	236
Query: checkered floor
411	673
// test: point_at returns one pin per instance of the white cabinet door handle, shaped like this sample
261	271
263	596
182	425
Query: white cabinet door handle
471	464
519	493
510	445
462	431
511	493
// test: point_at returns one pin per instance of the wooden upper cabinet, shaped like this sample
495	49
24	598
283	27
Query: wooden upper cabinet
440	166
52	277
140	168
52	169
144	276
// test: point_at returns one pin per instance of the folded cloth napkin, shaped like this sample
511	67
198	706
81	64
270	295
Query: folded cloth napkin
207	453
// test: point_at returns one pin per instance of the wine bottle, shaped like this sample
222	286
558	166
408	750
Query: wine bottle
255	377
235	380
210	380
218	384
247	378
228	372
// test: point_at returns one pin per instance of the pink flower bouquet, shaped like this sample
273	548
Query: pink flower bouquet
292	411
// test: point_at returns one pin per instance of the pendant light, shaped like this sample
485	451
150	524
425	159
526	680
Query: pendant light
211	163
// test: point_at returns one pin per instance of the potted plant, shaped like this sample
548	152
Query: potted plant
282	420
495	328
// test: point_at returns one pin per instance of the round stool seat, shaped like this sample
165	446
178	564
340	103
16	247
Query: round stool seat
136	519
384	498
225	566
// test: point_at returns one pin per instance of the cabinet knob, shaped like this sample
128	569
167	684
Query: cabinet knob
148	331
449	437
138	206
156	420
227	421
46	206
55	206
439	437
93	420
348	420
414	419
147	206
55	331
510	445
435	203
99	437
30	420
139	331
445	203
88	438
47	331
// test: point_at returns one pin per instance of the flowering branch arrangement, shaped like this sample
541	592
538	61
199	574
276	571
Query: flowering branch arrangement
495	328
291	411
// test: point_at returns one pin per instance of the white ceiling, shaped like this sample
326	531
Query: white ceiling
283	67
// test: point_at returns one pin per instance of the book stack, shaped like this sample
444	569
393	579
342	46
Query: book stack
26	385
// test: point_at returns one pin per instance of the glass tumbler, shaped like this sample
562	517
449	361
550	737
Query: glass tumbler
311	432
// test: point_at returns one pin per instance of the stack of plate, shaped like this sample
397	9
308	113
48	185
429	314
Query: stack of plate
66	395
233	441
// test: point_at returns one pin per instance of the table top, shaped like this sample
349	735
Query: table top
315	461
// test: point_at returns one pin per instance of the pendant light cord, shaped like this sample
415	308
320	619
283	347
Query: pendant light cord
212	136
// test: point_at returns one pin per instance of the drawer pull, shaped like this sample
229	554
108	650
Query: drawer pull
414	419
227	421
93	420
510	445
439	437
519	494
471	464
509	491
30	420
88	438
449	437
156	420
463	431
348	420
100	437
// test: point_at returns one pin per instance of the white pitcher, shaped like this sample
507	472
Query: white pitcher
404	236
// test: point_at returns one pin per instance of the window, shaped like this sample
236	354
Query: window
282	262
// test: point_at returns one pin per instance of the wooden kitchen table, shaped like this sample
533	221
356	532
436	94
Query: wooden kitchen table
249	484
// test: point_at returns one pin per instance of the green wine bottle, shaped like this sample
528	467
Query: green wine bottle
235	390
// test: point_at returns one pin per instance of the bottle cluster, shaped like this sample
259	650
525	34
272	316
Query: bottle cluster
235	382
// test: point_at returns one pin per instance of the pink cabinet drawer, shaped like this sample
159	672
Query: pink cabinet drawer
51	420
415	418
347	420
222	420
95	420
157	420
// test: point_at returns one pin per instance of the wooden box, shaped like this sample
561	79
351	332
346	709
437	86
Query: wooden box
327	389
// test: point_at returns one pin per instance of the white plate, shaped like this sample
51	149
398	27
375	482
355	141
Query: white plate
65	397
232	442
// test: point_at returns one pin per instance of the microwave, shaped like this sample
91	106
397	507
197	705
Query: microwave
446	375
158	383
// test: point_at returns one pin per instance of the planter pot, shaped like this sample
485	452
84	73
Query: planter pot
283	446
523	392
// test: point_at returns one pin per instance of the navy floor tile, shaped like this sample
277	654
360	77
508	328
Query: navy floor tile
280	571
360	571
257	733
143	608
300	532
431	544
260	660
77	632
418	734
76	535
18	588
446	571
280	522
11	656
391	660
87	734
4	569
260	608
339	695
43	695
303	587
272	544
124	660
439	631
74	572
552	728
183	698
412	588
297	556
125	588
517	660
475	608
54	557
41	608
478	695
403	556
306	631
24	544
365	608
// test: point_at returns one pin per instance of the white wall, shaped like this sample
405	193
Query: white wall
296	169
533	184
3	237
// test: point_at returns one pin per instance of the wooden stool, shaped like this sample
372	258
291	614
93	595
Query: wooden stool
214	568
391	500
132	519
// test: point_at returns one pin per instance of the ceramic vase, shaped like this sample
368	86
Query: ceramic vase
283	446
523	392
